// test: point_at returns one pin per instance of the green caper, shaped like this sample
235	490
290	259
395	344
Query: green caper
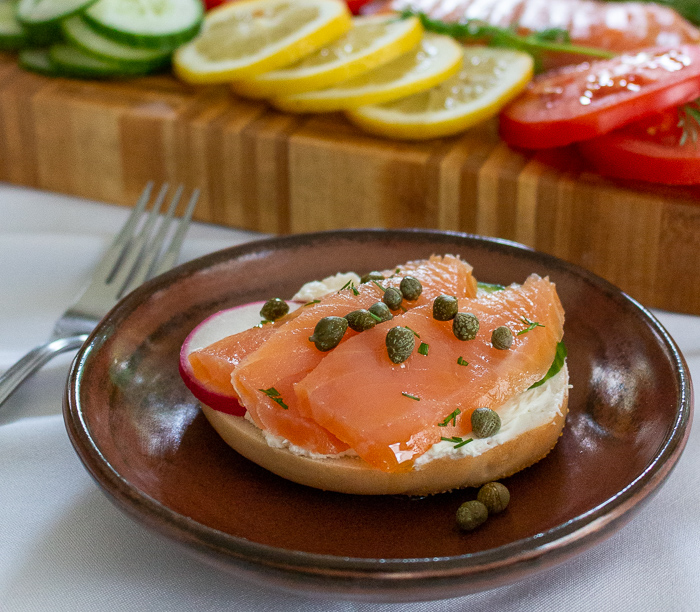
410	288
485	422
392	298
381	310
465	326
471	514
274	309
372	276
360	320
445	307
329	332
495	496
400	342
502	338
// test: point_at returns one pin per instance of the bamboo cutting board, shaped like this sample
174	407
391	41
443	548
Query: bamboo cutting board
272	172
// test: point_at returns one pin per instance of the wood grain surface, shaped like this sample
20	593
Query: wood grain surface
263	170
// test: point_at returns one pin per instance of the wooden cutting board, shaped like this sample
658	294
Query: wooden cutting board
272	172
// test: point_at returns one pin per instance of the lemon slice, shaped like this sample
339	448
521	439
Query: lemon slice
242	39
371	42
489	79
435	59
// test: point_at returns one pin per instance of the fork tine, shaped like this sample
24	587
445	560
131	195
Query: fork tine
152	250
170	256
107	265
136	246
146	260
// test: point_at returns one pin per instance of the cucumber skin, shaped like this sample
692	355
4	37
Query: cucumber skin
162	42
24	62
115	71
56	20
130	67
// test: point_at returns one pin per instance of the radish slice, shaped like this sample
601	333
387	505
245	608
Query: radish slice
215	327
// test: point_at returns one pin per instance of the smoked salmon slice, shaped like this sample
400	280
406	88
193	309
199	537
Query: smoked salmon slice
390	414
264	380
615	26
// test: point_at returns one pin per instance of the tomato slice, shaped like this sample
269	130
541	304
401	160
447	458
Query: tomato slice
580	102
648	150
356	5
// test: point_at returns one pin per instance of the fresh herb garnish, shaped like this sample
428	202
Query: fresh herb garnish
350	285
461	361
375	317
457	441
557	364
423	349
489	287
275	396
378	285
553	40
530	325
312	302
409	396
450	419
415	333
689	121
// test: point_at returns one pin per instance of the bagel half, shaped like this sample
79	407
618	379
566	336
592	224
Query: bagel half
531	425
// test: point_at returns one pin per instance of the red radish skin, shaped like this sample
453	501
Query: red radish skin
215	327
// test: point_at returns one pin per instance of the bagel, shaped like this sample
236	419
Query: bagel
531	425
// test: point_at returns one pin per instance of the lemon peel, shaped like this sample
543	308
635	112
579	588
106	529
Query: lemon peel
488	79
436	58
371	42
246	38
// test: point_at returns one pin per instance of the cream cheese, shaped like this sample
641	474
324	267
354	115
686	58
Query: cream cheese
527	411
315	290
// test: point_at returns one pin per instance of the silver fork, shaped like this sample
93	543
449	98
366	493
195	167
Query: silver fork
138	253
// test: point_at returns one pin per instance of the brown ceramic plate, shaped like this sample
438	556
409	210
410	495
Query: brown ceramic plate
142	437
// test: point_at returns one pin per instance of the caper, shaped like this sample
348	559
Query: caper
360	320
392	298
410	288
471	514
495	496
485	422
381	310
274	309
445	307
465	326
329	332
502	338
372	276
400	343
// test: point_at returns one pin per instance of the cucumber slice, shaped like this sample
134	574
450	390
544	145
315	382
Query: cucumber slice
78	32
13	35
154	24
37	60
31	12
74	62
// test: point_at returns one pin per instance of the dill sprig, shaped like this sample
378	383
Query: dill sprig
552	40
689	121
275	396
450	419
457	441
530	325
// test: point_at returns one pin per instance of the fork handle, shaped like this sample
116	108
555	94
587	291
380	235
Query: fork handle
33	360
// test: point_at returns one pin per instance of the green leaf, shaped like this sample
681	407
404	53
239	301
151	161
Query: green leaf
557	365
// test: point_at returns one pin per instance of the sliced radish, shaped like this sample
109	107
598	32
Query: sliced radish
215	327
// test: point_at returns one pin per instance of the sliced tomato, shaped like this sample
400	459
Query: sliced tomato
648	150
356	5
584	101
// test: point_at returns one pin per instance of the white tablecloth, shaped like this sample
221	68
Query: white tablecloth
65	547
